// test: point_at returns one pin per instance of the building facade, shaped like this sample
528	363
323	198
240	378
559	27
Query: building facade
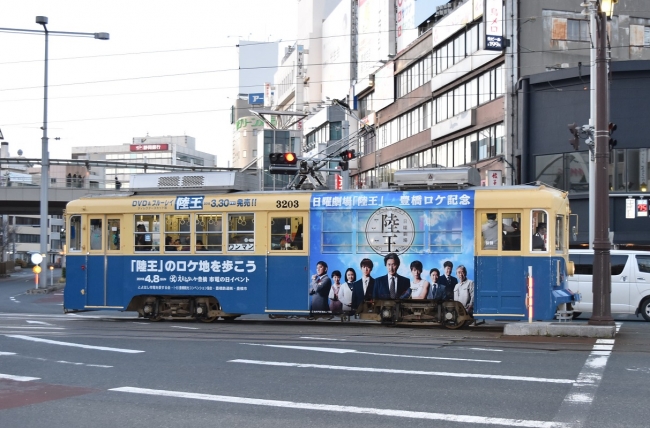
168	150
555	98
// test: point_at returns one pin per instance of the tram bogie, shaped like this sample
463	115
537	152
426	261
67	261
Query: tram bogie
201	308
450	314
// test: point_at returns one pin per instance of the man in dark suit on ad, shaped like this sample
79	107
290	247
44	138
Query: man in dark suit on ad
392	286
447	280
363	288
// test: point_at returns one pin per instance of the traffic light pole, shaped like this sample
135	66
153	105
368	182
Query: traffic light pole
602	281
345	175
593	7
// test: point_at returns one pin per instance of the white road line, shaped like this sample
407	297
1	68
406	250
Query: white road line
7	353
18	378
345	409
75	345
576	404
30	328
187	328
306	348
395	371
320	338
37	322
353	351
486	349
84	364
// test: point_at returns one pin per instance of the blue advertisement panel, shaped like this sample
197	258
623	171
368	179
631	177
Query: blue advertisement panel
419	231
239	282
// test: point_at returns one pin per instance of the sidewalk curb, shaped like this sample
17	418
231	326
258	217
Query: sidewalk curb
46	290
559	329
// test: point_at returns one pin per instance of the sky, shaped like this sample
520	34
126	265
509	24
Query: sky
168	69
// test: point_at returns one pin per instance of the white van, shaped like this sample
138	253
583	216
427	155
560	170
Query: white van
630	281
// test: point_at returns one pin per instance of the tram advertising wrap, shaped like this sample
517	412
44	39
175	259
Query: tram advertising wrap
444	256
423	229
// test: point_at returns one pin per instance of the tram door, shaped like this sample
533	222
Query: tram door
104	270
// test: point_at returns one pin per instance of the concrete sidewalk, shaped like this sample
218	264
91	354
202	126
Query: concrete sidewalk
559	329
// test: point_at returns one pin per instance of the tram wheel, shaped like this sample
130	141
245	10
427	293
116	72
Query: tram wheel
453	325
208	319
156	318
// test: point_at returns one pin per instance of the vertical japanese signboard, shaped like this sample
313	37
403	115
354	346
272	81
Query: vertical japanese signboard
494	40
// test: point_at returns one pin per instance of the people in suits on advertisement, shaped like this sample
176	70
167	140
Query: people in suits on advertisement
392	285
319	289
364	287
448	281
437	291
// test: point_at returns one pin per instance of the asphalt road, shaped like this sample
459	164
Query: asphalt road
106	369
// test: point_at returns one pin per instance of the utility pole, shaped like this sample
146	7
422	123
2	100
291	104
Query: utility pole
602	281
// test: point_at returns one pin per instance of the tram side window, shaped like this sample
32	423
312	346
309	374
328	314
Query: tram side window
209	232
490	231
95	233
511	231
113	234
539	220
241	232
178	233
445	231
284	233
559	233
75	233
336	233
147	232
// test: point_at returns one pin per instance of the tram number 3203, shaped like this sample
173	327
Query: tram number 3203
282	203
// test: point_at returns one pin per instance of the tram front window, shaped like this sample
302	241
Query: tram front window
75	233
559	233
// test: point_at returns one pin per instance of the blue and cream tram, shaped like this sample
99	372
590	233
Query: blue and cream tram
208	254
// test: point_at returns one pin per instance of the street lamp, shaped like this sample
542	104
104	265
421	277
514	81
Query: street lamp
607	7
45	165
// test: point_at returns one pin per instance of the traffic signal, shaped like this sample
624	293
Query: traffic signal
346	156
575	141
612	141
283	163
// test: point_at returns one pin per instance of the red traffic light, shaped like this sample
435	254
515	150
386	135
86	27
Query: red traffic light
348	154
290	158
283	158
